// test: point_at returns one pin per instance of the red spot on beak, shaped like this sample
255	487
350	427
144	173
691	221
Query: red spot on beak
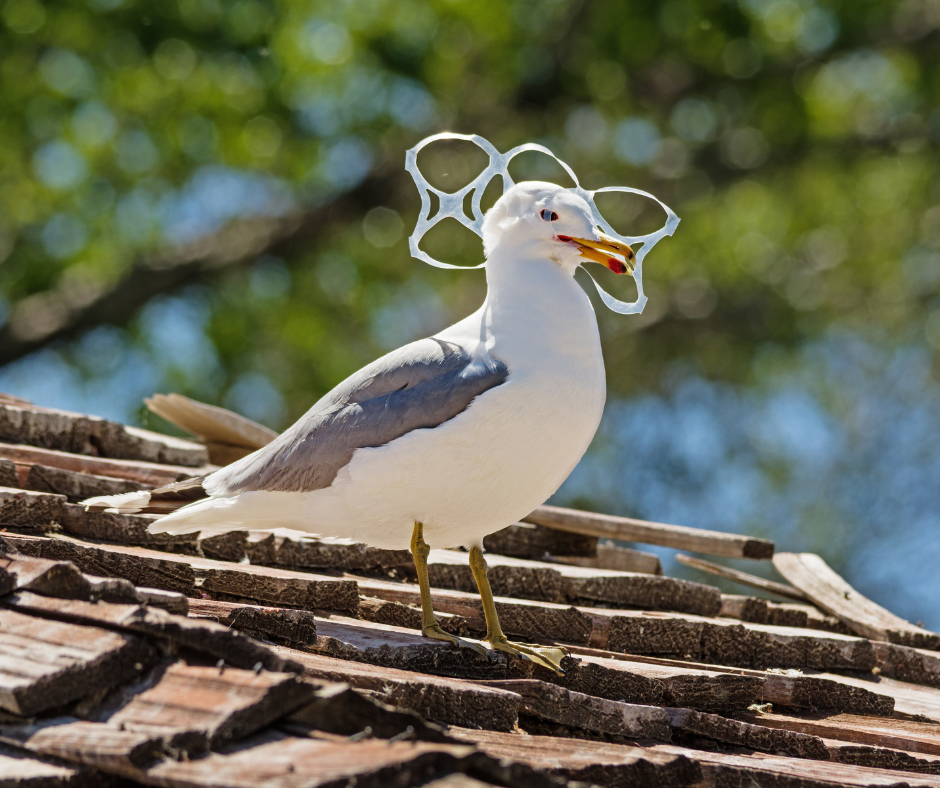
616	266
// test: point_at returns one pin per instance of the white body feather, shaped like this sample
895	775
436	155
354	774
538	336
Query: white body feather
485	468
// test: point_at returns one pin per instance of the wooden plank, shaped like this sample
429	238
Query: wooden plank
398	614
577	710
20	770
209	422
147	473
906	735
519	617
881	757
447	700
338	709
712	690
623	559
586	761
80	434
158	570
328	553
525	540
42	576
47	512
520	578
275	760
282	625
121	528
62	579
31	510
758	769
637	632
757	737
186	574
828	590
96	744
626	529
393	647
785	688
784	614
46	664
645	684
200	708
780	589
910	700
9	476
728	642
219	641
74	485
914	665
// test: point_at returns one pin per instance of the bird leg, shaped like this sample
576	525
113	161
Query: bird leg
429	626
546	656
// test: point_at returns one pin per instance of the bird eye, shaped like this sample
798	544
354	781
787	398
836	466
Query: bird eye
549	216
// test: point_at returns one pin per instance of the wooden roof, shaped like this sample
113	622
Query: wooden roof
257	660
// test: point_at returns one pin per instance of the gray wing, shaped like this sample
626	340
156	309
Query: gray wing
418	386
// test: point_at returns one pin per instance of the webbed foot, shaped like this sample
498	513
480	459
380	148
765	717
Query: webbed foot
435	632
547	656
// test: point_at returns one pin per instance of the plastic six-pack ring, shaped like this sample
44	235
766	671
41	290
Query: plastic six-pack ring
452	206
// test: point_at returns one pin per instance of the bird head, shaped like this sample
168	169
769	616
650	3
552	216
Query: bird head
555	223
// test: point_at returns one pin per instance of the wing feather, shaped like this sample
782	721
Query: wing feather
418	386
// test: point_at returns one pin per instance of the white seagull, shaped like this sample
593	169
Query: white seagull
446	439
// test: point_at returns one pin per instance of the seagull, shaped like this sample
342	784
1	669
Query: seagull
448	438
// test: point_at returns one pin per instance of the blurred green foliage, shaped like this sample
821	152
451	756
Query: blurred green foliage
797	139
792	136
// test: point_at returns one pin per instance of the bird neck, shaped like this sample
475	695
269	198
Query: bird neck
536	301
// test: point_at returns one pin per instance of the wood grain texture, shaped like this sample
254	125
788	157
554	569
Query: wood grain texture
626	529
913	665
447	700
282	625
783	614
275	760
205	707
393	647
525	540
74	485
79	434
743	578
327	553
191	574
906	735
559	583
759	769
622	559
21	770
785	688
216	640
587	761
518	617
46	664
738	733
577	710
147	473
108	747
727	642
910	700
815	578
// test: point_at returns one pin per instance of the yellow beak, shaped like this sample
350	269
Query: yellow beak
599	250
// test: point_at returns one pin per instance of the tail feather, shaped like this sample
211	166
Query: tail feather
163	500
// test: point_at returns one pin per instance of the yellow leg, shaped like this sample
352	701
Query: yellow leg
429	626
546	656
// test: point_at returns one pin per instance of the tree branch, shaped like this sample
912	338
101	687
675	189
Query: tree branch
70	308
